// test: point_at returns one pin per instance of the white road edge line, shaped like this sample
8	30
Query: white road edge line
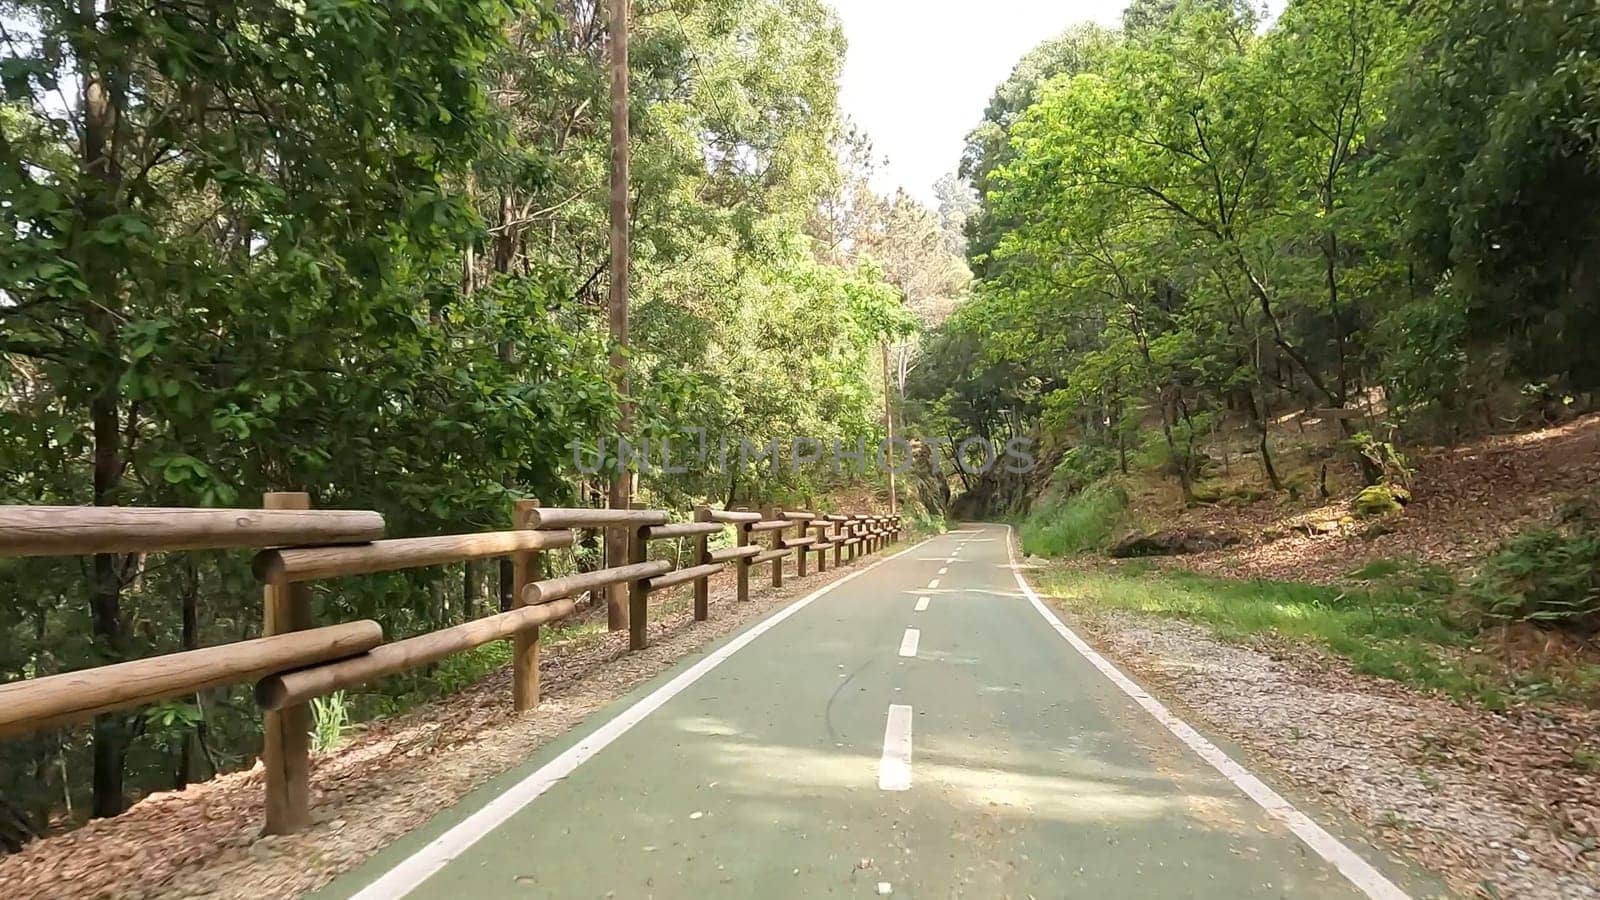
909	641
1358	871
894	769
411	872
922	604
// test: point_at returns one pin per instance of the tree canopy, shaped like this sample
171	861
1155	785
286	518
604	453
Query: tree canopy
1358	206
360	249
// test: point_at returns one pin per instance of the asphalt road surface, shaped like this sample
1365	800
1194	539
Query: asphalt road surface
921	728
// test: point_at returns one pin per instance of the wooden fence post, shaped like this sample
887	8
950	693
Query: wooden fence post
801	527
741	536
286	739
638	590
777	544
525	646
702	556
822	538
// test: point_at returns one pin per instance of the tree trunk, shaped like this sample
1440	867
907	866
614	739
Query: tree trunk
1168	416
888	427
471	588
1259	416
507	577
191	641
102	312
1330	253
621	484
1264	300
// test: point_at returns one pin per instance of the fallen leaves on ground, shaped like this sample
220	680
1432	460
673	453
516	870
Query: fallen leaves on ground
1465	500
1482	798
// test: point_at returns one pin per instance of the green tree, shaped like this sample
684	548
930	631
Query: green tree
1500	170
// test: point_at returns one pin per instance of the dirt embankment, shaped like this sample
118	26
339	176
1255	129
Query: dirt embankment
1464	501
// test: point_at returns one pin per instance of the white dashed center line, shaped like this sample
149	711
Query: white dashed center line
922	603
908	643
894	769
944	570
933	584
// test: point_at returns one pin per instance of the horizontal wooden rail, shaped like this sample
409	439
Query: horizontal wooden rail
731	553
74	530
542	518
567	585
293	688
683	530
682	576
74	696
311	563
297	662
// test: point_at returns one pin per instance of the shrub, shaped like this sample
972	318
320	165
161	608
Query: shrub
1544	575
1082	466
1080	523
919	521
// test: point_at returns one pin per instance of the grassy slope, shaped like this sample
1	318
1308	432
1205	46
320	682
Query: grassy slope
1401	620
1400	632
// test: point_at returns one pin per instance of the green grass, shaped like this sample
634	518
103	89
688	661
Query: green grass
1405	635
1080	523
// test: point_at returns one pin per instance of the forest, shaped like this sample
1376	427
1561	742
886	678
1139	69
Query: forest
360	250
1387	210
1302	302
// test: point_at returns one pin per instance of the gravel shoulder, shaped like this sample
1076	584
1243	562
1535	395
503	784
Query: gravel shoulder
205	841
1491	801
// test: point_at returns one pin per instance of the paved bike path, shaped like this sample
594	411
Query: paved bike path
784	769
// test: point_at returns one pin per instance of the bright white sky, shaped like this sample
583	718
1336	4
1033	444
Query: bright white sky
920	72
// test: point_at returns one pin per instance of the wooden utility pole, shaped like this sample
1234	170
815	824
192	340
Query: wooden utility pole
888	427
621	493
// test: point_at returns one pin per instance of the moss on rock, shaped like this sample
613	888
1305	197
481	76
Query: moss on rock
1380	500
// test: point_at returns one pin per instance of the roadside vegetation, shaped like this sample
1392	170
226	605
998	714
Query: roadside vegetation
1396	625
1080	523
1266	290
1514	625
361	250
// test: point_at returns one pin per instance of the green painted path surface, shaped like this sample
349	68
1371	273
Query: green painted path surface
780	771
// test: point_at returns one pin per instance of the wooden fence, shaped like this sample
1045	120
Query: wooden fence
296	660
